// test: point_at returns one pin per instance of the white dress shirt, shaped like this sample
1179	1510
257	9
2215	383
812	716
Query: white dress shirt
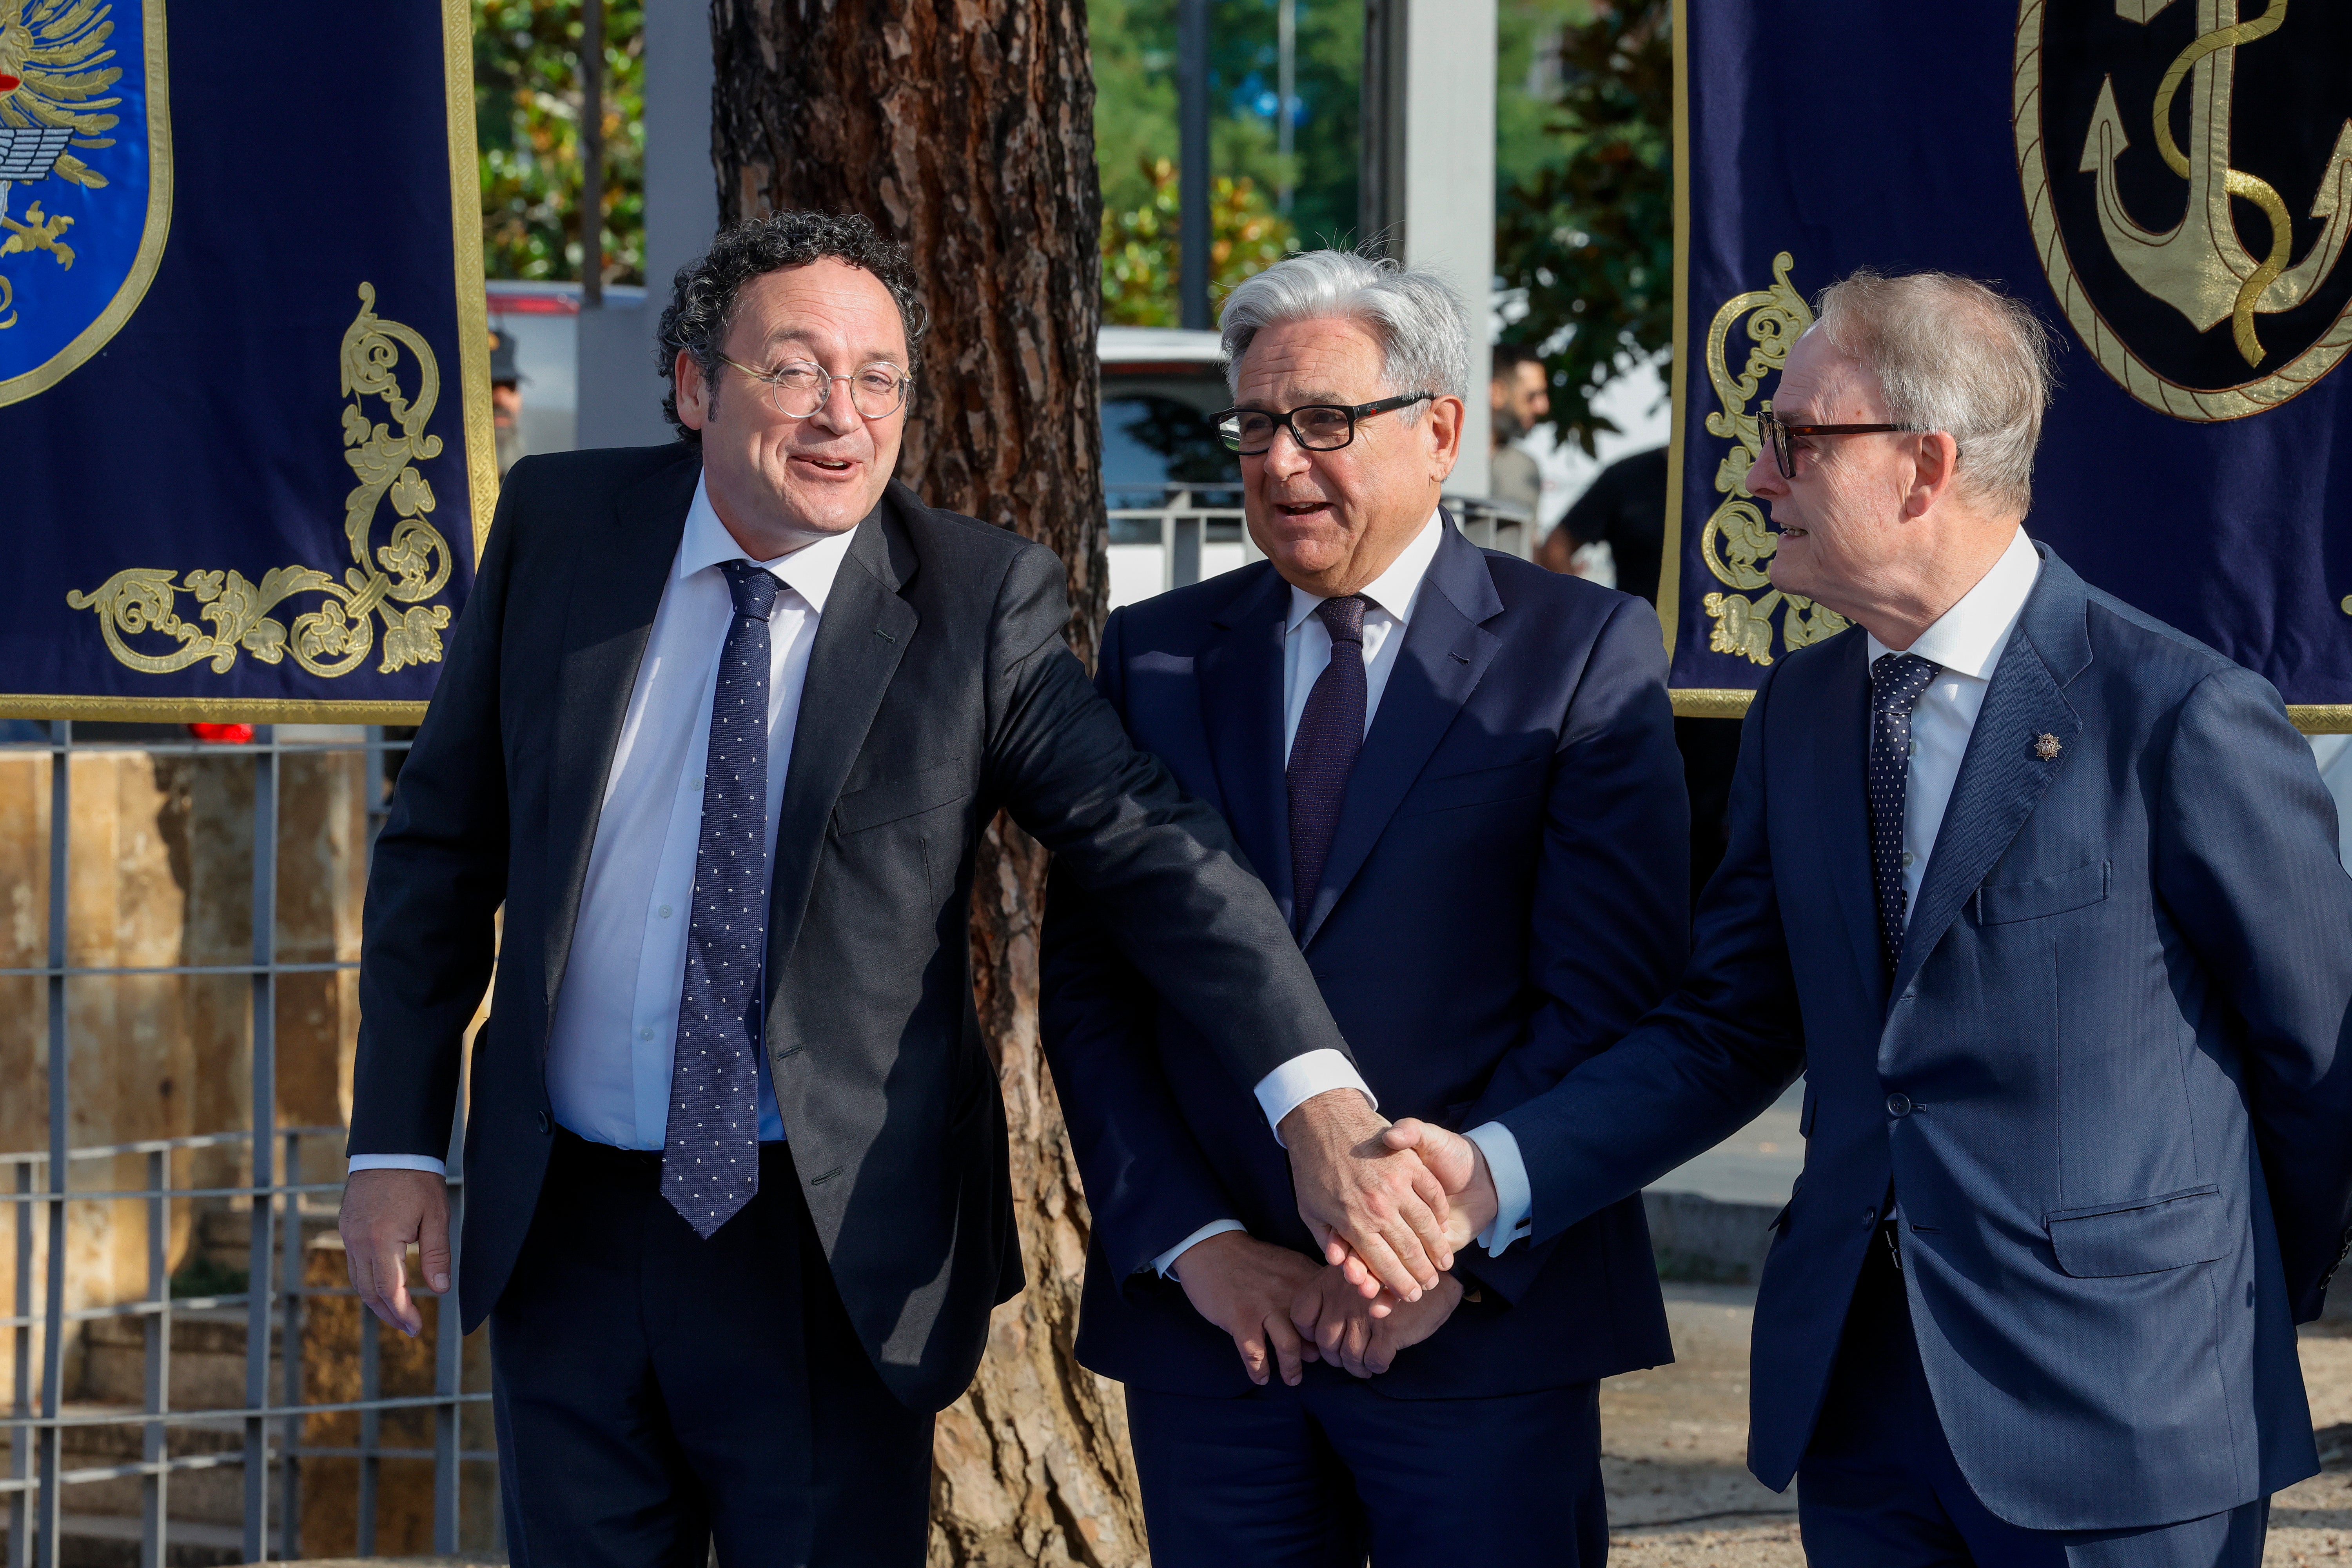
608	1057
1967	640
1305	654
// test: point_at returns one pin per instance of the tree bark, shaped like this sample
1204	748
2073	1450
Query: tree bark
965	129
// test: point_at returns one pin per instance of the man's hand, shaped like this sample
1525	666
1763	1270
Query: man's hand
1460	1167
383	1212
1352	1332
1360	1197
1245	1287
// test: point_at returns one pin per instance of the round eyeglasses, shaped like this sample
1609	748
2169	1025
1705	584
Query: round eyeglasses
1315	427
797	389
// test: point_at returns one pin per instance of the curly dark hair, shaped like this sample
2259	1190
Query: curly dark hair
704	294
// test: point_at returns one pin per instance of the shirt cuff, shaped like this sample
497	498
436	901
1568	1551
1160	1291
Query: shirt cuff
1301	1078
1513	1203
399	1162
1166	1261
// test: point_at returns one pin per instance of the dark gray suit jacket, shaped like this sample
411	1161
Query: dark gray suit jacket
940	690
2110	1083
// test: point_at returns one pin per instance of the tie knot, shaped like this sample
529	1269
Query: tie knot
1896	679
1343	617
754	588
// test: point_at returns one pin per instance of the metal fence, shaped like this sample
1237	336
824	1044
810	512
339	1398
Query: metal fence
276	1300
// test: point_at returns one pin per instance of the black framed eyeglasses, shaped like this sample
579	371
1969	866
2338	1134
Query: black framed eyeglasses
797	389
1776	434
1315	427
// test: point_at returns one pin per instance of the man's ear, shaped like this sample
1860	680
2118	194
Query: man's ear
693	391
1446	419
1935	471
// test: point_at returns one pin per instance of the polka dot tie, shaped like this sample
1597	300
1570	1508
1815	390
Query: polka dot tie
711	1157
1897	683
1323	753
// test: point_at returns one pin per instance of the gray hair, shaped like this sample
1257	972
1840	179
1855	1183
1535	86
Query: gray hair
1956	355
1416	317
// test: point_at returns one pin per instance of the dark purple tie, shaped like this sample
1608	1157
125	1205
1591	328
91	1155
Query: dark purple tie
1897	680
1323	753
710	1155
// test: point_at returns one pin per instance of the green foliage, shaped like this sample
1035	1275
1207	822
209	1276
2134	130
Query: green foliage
202	1276
1141	246
1590	237
1134	46
527	118
1527	34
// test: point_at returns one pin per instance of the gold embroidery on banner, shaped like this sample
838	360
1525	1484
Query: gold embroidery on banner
1736	541
2200	267
335	637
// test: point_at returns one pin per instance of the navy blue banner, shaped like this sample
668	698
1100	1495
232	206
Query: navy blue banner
2170	185
245	444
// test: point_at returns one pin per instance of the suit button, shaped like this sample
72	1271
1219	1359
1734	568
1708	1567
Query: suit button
542	1121
1869	1217
1899	1105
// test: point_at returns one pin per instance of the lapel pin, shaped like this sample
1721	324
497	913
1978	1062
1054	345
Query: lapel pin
2045	747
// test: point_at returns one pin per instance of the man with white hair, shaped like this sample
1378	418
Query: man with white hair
2042	896
1457	774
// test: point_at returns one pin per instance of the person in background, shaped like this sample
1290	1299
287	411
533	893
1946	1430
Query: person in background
506	400
1520	397
1625	509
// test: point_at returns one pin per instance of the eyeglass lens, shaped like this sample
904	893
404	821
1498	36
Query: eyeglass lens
1784	457
800	389
1318	428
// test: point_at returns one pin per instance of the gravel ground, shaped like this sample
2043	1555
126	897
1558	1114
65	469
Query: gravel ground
1673	1442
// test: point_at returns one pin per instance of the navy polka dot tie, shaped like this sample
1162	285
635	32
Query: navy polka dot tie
711	1157
1897	680
1323	753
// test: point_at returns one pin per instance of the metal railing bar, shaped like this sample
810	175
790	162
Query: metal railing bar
263	1033
465	1456
155	1511
53	1346
125	1194
106	971
208	748
252	1413
150	1145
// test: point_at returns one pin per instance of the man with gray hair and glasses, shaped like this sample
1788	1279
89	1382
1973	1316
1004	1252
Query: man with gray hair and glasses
2042	896
1456	774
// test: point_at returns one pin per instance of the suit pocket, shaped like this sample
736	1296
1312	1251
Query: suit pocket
894	800
2143	1236
2076	889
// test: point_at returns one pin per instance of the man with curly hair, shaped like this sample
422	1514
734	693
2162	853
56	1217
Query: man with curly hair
721	728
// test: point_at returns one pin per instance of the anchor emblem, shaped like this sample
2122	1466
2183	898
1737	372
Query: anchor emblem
2200	267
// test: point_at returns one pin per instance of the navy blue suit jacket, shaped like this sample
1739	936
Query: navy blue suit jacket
1505	896
2110	1090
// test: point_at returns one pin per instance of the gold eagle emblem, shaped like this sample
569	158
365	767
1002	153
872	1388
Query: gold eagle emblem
53	75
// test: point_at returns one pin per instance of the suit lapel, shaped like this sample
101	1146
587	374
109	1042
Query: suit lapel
1241	705
1445	651
860	638
1839	795
2002	779
619	571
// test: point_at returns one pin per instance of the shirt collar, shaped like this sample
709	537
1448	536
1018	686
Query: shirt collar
808	571
1968	639
1394	589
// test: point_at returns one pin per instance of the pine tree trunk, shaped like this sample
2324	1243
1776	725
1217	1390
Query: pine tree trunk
965	128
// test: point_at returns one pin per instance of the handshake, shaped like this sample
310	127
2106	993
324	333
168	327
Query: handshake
1391	1205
